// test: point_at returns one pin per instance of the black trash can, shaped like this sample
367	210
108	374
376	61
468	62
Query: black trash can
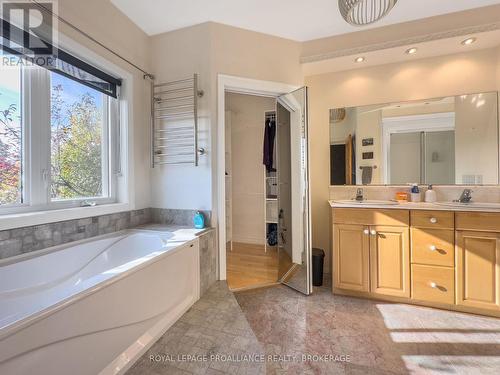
318	257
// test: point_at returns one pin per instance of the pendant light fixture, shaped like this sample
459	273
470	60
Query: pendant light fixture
365	12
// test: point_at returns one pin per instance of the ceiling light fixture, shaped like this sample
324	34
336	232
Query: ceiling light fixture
411	51
468	41
359	59
365	12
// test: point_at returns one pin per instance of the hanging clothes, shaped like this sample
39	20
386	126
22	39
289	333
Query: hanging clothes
269	135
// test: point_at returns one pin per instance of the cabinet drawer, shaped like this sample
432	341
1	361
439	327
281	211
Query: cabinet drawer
435	247
366	216
433	219
480	221
433	284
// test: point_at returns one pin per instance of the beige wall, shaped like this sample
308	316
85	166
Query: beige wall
124	37
177	55
254	55
247	171
211	49
249	54
419	79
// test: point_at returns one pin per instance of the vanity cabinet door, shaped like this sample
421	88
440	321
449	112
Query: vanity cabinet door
390	261
478	270
351	253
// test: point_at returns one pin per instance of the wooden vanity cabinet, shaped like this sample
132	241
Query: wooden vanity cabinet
478	261
390	261
371	251
352	249
433	256
441	259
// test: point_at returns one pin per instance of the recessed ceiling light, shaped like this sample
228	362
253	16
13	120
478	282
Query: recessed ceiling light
359	59
411	51
468	41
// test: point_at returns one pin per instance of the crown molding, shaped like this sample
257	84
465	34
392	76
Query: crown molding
401	42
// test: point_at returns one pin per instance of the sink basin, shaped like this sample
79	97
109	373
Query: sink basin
367	202
469	205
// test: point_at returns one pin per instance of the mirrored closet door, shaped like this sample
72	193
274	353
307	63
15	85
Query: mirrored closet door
294	234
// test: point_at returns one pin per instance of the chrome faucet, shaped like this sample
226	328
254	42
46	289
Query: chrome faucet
466	196
359	195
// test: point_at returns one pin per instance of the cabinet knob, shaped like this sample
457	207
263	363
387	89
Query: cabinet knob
366	231
433	220
373	232
432	248
433	285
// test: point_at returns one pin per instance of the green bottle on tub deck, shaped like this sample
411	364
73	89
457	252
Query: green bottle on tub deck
199	220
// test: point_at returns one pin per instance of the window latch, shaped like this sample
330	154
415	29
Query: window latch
45	177
87	203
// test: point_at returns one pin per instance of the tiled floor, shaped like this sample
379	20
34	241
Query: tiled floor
214	332
378	338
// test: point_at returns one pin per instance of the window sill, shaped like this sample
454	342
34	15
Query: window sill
19	220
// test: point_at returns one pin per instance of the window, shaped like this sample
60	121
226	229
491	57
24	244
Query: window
11	137
79	162
58	140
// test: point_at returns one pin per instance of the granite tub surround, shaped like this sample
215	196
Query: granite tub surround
208	260
368	337
481	193
24	240
213	329
177	217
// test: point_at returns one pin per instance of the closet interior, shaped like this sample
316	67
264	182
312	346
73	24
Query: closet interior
267	197
251	191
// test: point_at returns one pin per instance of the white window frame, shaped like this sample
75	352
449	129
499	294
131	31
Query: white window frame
36	154
123	151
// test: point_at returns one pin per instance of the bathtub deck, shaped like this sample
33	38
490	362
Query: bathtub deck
214	325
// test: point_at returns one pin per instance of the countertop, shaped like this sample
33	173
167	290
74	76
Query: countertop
181	233
414	206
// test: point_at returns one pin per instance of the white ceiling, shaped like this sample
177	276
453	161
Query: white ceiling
299	20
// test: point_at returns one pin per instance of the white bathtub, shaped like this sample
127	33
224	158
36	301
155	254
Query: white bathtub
94	307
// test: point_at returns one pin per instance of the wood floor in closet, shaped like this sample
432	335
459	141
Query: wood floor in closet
250	266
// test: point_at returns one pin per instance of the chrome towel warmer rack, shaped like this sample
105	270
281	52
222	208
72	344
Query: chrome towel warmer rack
174	122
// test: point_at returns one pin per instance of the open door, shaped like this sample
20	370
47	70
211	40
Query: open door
294	223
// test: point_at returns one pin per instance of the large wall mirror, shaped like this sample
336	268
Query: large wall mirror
445	141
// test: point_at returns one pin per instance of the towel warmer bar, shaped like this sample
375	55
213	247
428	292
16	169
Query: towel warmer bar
174	122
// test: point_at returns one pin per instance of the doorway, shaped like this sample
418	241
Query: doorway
292	201
251	191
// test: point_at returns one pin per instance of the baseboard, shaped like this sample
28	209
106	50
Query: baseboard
249	240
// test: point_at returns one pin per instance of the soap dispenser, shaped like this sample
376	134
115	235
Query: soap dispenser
199	220
415	193
430	195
